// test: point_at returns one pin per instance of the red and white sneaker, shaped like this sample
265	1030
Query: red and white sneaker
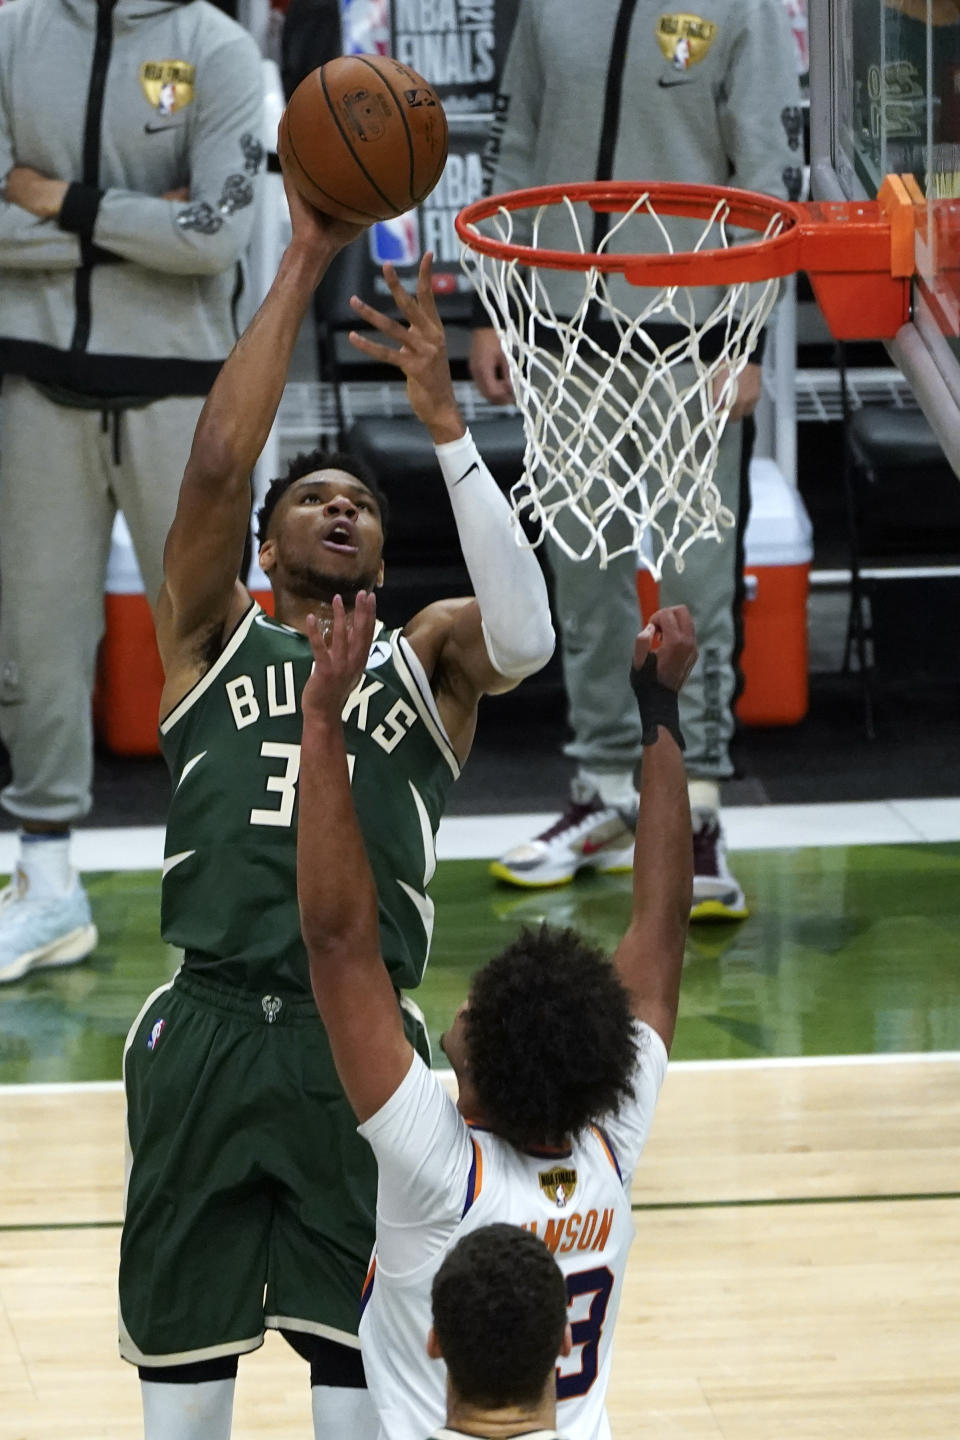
587	836
716	892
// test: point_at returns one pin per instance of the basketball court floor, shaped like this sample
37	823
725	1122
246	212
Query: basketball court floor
798	1215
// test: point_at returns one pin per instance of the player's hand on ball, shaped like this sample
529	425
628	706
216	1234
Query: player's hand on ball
670	636
420	351
340	649
315	231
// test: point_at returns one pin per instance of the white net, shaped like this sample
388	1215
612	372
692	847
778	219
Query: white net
625	391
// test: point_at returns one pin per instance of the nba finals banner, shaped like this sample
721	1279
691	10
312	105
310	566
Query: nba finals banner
460	47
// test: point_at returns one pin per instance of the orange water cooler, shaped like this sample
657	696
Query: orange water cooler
126	701
778	550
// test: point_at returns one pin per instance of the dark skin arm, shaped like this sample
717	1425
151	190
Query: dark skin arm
447	635
338	899
338	902
649	958
201	599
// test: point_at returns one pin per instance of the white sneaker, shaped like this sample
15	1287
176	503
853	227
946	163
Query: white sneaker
716	893
588	836
37	932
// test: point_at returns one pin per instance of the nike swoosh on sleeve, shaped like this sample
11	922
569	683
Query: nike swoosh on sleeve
467	472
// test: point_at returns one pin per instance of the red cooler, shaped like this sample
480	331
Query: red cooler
126	701
779	549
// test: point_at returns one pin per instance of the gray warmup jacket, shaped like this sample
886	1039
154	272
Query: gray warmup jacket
633	90
127	293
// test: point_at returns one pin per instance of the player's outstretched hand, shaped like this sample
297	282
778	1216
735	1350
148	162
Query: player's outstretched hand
664	653
340	652
671	638
420	350
313	231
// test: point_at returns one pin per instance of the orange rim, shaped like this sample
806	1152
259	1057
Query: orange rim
871	240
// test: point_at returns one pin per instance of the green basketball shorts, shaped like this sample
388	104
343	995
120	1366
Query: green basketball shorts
250	1196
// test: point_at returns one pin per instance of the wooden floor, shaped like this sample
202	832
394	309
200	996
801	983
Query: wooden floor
796	1271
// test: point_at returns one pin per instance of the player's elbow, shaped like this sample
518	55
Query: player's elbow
322	959
525	650
338	962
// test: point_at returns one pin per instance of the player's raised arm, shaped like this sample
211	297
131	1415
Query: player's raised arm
205	545
490	644
338	898
649	958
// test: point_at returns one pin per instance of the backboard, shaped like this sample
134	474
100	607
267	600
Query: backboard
885	98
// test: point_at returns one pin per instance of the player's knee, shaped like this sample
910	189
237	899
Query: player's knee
330	1363
198	1372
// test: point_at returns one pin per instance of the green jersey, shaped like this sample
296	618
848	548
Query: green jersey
229	894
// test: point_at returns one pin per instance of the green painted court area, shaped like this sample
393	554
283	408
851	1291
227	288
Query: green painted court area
848	951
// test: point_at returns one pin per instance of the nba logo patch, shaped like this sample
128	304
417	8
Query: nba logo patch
558	1184
396	241
155	1034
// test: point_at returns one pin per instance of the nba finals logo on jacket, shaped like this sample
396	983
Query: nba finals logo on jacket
558	1184
168	84
685	39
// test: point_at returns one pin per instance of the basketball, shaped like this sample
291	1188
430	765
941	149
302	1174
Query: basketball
363	138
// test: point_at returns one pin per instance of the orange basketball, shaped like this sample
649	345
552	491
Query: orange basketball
363	138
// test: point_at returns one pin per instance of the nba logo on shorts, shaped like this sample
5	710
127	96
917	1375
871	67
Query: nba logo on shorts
396	240
155	1034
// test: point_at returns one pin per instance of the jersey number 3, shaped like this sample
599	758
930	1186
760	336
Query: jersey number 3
586	1331
284	785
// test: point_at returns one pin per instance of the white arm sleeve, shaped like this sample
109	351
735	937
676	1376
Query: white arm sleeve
507	579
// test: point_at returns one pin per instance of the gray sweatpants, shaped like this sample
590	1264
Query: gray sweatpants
597	614
63	476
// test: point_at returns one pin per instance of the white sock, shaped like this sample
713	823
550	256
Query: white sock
615	787
341	1413
45	861
187	1412
704	800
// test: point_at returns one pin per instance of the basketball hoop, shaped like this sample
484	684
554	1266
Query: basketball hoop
625	355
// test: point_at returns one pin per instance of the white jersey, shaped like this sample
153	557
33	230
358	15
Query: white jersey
440	1178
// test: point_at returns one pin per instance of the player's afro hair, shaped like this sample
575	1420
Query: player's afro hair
549	1037
499	1313
305	464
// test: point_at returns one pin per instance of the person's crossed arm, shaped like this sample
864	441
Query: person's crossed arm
197	229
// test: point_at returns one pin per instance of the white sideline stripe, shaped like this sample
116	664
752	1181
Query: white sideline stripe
483	837
126	847
768	1062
